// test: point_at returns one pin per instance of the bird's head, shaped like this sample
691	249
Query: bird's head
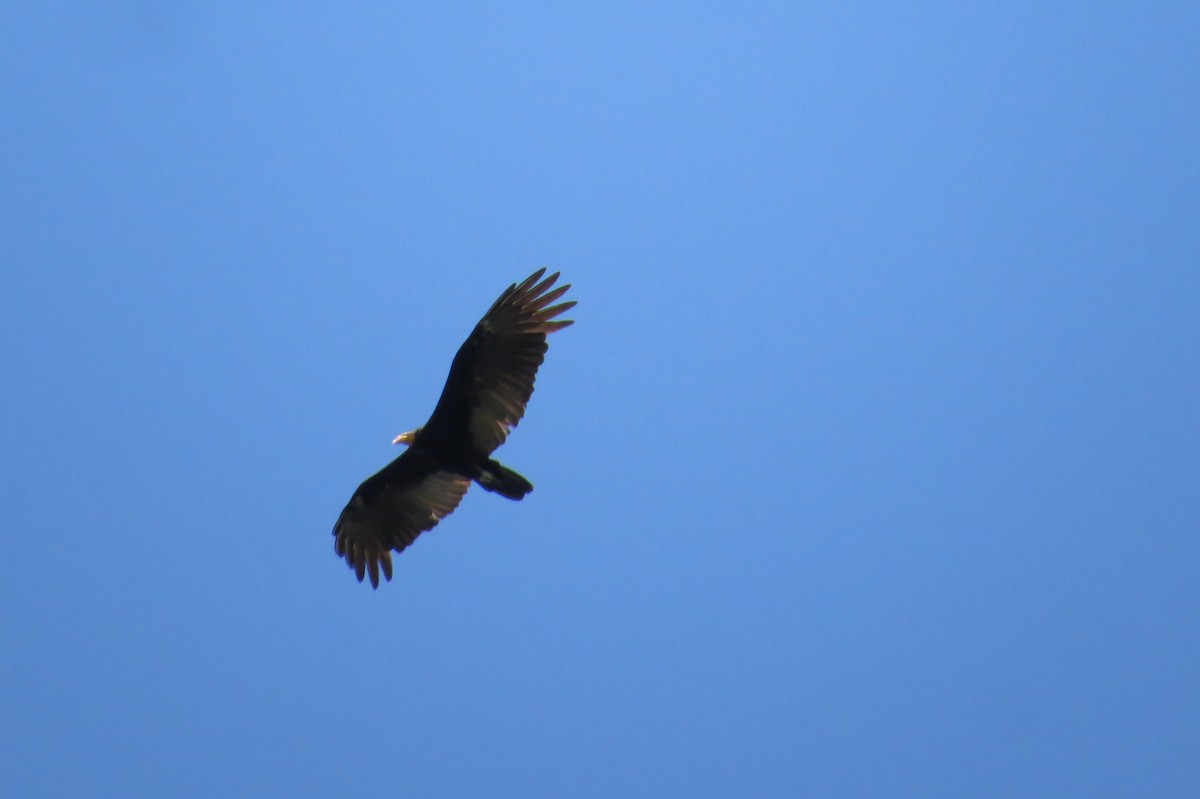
406	438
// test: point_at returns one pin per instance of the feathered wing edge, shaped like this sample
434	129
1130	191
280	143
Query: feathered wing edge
524	297
369	530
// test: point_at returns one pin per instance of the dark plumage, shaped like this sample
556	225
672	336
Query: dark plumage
490	382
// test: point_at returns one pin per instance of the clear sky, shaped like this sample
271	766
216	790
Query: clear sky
869	468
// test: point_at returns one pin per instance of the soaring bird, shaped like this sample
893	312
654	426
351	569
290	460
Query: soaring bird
490	382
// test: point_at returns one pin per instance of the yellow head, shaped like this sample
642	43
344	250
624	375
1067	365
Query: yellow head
406	438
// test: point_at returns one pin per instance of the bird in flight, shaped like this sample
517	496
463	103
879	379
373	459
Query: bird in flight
490	382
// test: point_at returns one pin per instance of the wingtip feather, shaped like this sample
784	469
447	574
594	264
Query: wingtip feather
537	303
523	288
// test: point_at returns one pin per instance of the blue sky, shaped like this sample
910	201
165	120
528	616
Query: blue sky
869	467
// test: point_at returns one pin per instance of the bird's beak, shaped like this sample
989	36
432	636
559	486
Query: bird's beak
404	438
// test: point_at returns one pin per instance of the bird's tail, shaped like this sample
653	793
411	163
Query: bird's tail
503	481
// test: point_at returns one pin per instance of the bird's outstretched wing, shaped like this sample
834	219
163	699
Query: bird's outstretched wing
390	509
492	376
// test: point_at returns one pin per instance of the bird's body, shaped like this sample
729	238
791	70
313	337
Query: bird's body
490	382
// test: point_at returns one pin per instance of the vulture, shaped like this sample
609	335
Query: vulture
490	382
